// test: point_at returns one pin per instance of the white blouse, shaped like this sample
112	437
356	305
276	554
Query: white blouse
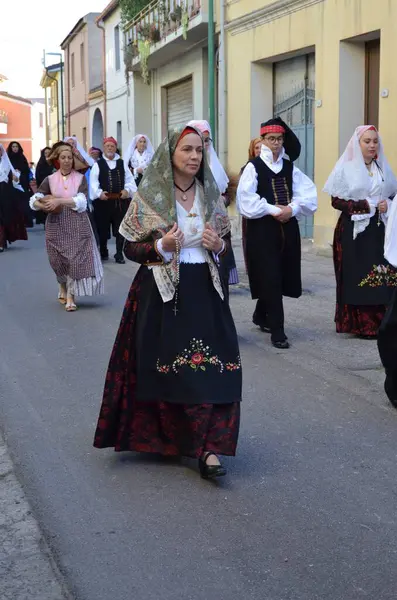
252	206
79	200
192	223
361	221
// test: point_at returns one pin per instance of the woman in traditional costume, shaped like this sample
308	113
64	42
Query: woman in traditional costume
82	160
173	384
360	185
254	150
139	154
12	226
387	336
71	247
22	170
44	169
228	264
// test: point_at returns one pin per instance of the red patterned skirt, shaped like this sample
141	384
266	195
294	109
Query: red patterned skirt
173	429
357	319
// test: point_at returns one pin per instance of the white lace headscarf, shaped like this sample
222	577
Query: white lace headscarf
6	167
134	158
218	171
349	179
87	158
5	162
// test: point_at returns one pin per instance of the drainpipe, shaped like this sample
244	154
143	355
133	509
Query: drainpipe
211	69
62	106
222	88
101	26
69	83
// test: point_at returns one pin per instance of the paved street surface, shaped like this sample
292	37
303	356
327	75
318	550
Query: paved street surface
308	511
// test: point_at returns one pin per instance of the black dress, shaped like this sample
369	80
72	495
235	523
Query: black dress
12	226
173	384
387	345
43	170
364	279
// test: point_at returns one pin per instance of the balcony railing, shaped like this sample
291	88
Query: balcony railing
155	28
161	18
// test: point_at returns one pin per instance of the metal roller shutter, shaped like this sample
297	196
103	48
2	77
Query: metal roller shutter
180	103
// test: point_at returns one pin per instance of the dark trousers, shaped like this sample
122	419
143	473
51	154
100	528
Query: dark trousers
274	269
269	312
108	216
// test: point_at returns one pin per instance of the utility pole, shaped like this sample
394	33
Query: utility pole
211	69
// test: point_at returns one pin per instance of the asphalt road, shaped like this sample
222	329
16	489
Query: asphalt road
308	510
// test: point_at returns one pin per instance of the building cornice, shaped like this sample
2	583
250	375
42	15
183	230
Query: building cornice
77	110
95	95
271	12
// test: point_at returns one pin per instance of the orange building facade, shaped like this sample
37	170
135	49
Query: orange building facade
16	122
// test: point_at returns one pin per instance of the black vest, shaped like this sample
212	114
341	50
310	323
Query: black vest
275	187
111	180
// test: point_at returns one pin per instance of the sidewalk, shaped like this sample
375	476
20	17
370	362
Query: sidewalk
27	570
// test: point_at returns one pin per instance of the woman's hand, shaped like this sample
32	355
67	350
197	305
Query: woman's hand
211	240
169	239
139	170
383	206
50	203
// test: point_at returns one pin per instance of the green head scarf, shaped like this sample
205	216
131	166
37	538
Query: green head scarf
152	211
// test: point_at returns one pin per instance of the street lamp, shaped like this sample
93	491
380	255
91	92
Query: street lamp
62	105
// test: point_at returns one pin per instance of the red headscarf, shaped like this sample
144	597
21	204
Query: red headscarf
110	140
186	131
272	129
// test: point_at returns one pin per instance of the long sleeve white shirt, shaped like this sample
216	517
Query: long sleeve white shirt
96	191
252	206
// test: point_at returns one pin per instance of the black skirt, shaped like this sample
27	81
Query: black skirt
367	277
191	357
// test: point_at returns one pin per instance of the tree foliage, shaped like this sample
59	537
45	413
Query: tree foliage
130	8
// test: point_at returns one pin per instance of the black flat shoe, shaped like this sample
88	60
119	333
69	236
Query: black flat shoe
119	258
263	328
104	255
211	471
1	250
284	345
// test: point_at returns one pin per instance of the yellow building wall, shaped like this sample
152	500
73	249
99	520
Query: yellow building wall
321	28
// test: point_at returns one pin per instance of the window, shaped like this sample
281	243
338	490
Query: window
117	61
72	71
41	120
85	138
82	63
119	135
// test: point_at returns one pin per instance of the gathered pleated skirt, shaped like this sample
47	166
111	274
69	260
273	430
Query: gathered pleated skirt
174	380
